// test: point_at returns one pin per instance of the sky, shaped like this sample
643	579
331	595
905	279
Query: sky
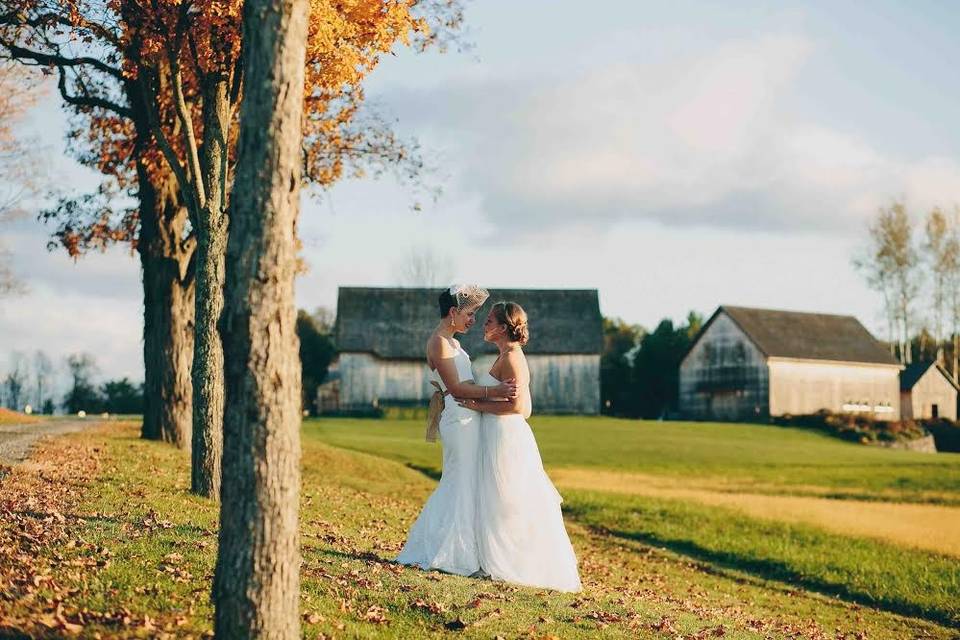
674	156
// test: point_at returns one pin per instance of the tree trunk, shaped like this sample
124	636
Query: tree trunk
257	577
167	314
211	252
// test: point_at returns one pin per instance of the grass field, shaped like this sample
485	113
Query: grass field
98	535
871	525
719	456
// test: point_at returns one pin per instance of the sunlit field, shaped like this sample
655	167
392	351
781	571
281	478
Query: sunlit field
869	524
108	541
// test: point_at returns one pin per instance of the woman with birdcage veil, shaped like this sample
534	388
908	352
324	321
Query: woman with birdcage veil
444	534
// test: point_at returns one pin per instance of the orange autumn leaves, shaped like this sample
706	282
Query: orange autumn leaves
138	70
199	37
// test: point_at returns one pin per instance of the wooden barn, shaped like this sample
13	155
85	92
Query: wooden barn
381	334
751	364
927	391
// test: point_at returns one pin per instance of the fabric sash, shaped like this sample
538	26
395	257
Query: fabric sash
433	413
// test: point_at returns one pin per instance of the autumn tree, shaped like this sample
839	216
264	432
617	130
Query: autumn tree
19	162
941	252
83	45
257	578
890	264
156	92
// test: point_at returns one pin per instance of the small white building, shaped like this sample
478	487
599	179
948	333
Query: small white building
381	336
927	391
751	364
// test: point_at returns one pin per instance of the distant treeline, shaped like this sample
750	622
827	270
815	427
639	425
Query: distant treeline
914	266
30	381
639	368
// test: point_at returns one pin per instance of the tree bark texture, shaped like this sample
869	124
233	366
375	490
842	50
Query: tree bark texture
168	299
257	581
208	382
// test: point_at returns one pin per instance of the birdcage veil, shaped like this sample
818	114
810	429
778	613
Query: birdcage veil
469	296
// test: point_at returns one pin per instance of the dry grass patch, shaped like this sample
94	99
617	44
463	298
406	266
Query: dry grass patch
920	526
15	417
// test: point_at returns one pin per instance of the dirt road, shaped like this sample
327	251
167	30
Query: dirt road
16	440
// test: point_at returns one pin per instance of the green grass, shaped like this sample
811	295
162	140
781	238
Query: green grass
859	570
773	459
356	508
766	459
143	550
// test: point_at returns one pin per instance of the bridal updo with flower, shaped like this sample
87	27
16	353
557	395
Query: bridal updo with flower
462	296
514	318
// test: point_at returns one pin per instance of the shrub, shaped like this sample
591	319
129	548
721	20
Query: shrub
856	427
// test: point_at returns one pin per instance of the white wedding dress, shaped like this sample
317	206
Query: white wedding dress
520	529
444	534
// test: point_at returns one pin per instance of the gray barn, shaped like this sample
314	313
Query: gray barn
927	391
381	335
749	364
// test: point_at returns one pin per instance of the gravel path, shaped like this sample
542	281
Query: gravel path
16	440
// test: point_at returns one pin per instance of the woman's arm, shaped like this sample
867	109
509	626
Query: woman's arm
514	367
443	354
497	407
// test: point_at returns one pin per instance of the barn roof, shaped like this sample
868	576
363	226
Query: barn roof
910	376
807	336
396	322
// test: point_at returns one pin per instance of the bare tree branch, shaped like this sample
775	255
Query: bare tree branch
88	101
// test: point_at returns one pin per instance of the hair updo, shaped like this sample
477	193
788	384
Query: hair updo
447	301
514	318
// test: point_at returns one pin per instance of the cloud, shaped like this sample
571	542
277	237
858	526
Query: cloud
704	140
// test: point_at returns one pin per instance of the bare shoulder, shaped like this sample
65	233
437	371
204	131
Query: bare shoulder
515	363
438	347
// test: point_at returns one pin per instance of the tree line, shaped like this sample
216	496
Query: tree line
639	369
913	262
31	381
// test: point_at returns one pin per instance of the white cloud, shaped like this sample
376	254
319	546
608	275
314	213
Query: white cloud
703	139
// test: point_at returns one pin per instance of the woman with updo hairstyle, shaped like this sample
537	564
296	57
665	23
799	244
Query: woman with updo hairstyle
514	318
520	531
444	535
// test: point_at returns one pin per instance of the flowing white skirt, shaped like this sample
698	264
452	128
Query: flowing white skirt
444	534
520	528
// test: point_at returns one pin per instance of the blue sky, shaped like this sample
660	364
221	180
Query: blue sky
674	156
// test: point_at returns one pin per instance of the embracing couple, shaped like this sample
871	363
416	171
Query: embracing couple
495	512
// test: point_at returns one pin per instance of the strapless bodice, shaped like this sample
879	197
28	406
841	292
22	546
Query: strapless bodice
464	369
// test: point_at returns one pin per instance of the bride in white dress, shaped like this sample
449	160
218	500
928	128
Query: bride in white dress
444	535
520	532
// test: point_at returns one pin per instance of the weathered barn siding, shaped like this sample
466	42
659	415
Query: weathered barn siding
800	387
756	363
724	376
367	381
559	383
381	334
933	388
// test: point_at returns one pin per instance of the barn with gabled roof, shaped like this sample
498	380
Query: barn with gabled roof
381	335
927	391
748	364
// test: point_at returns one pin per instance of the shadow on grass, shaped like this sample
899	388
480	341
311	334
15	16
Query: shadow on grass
430	472
774	570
